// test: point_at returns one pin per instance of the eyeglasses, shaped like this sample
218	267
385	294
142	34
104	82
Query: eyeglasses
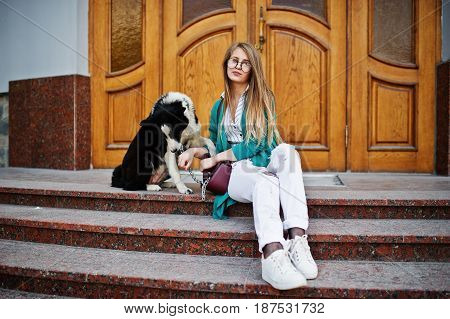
245	65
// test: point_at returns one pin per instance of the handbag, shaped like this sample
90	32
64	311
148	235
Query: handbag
216	178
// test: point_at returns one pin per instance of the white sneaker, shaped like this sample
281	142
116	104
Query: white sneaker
301	257
279	272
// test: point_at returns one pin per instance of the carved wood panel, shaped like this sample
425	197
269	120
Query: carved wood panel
200	72
393	57
125	114
299	66
392	123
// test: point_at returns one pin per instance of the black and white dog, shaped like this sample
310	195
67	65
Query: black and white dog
171	125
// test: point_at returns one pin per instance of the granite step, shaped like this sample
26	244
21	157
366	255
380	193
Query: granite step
103	273
18	294
358	195
330	239
372	205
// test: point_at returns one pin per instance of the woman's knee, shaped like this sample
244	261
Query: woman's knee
284	150
281	156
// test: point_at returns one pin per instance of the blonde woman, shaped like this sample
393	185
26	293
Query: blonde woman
266	172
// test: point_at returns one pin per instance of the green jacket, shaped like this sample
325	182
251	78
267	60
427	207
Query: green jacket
258	154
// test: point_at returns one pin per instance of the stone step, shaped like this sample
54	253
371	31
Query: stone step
103	273
330	239
334	205
19	294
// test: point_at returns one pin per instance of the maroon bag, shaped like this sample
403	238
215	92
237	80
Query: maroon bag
217	178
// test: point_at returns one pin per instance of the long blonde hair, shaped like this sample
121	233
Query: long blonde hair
260	99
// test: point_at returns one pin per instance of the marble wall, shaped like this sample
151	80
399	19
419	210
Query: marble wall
4	115
443	119
50	123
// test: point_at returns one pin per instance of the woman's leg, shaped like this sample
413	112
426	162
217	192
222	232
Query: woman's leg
285	163
250	184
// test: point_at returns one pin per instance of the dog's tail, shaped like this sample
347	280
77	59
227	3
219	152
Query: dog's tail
116	180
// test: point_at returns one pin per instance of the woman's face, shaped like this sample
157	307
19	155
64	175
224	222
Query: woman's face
237	74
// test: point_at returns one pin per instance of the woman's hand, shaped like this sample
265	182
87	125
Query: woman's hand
185	159
208	163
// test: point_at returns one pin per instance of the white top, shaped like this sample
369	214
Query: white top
233	129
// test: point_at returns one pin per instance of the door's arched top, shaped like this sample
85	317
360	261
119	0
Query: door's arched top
317	9
207	40
193	11
298	35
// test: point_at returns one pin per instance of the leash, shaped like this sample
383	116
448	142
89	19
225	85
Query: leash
202	183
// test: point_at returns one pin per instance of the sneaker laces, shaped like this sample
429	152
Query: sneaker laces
302	242
283	263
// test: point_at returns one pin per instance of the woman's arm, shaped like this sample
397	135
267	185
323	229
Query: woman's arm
185	159
198	152
212	161
225	156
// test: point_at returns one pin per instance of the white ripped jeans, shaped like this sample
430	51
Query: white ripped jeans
281	182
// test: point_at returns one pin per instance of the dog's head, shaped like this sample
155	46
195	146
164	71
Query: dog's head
176	112
188	105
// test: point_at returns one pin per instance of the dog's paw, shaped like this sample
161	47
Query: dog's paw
188	191
175	147
153	188
183	189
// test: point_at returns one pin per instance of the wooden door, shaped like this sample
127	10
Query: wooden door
394	49
382	90
124	63
304	58
303	45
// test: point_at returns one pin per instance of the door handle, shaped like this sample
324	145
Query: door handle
262	40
